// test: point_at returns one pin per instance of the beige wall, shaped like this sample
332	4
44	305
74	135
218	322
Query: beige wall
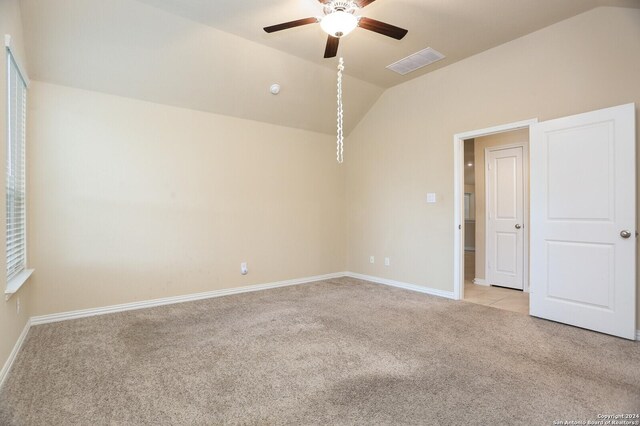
131	200
11	323
506	138
403	148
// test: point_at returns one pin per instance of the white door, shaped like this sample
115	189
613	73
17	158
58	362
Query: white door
505	217
583	215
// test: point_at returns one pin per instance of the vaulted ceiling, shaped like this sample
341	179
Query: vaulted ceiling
212	55
456	28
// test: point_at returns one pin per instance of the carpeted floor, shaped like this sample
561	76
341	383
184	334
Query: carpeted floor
334	352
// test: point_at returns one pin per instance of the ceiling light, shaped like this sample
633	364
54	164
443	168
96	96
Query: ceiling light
470	164
339	23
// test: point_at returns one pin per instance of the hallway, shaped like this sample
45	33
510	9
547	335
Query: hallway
496	297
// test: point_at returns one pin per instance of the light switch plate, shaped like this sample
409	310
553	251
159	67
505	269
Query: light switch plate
431	197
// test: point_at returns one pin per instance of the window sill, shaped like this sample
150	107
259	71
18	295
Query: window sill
16	282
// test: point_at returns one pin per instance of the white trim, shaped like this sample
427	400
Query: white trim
16	282
44	319
4	373
481	281
9	46
406	286
63	316
496	129
458	194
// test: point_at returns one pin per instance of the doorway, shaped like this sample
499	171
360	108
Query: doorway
491	189
583	218
494	262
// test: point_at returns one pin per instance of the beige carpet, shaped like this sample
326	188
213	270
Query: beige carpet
334	352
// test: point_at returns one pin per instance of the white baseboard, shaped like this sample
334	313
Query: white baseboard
406	286
481	281
14	353
83	313
63	316
44	319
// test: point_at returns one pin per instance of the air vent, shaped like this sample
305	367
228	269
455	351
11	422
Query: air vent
417	60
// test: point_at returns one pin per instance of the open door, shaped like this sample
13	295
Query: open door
583	216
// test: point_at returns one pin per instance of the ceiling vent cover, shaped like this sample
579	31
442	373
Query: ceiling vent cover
417	60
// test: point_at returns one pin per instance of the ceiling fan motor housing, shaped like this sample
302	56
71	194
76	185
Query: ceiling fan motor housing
339	20
348	6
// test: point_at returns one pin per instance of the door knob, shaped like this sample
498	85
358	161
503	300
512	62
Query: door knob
625	234
518	226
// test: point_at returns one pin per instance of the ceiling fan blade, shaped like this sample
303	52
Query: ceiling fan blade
292	24
324	1
382	28
364	3
332	47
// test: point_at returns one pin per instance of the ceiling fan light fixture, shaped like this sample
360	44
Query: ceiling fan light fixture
339	23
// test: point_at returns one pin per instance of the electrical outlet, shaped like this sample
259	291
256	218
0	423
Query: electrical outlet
387	262
243	268
372	259
18	306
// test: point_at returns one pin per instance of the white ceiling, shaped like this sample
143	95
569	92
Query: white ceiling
212	55
131	49
456	28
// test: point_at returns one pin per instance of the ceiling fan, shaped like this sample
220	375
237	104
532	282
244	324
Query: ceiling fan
339	20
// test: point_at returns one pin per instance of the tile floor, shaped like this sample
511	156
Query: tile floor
496	297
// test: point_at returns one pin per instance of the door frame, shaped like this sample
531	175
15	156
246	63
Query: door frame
458	195
525	219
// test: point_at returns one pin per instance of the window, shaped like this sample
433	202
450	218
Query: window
15	177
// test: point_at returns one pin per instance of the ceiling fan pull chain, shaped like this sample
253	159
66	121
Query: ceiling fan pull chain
340	144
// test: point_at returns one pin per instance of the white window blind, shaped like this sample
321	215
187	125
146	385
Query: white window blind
16	206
